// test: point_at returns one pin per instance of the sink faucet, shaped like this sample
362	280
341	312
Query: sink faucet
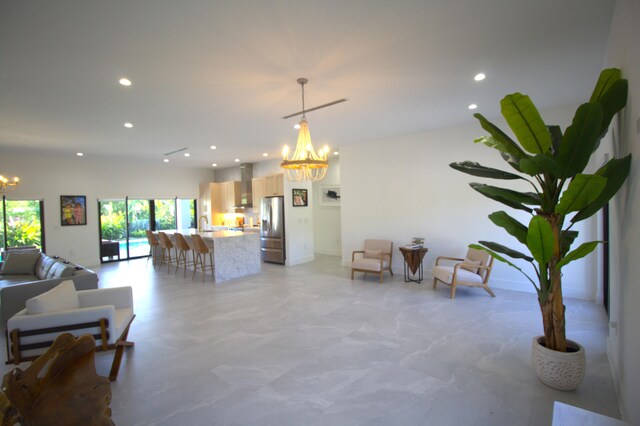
206	221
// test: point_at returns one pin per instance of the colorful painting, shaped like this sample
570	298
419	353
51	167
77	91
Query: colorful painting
73	210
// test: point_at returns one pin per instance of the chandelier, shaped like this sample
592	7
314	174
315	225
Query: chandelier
305	164
7	185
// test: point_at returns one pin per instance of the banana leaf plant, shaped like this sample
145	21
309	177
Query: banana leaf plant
553	163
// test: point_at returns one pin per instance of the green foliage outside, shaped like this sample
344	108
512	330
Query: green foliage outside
112	220
23	224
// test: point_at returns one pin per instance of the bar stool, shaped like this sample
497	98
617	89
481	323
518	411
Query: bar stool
166	245
201	250
182	252
153	247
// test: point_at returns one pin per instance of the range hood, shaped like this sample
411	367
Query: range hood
246	192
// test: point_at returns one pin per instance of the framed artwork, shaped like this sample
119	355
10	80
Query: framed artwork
330	195
300	198
73	210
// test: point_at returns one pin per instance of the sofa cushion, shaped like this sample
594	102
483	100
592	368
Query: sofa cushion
60	298
60	270
20	262
43	265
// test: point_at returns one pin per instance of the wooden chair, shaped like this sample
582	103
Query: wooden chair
182	252
472	271
376	258
201	250
153	247
105	313
166	245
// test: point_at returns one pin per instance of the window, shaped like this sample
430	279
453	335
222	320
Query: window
22	223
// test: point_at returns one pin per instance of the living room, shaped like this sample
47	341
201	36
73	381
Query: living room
397	185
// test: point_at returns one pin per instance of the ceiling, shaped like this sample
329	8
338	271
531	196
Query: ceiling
223	73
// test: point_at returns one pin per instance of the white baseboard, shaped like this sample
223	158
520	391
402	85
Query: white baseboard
299	260
328	252
615	372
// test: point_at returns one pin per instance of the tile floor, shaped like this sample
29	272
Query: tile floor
305	345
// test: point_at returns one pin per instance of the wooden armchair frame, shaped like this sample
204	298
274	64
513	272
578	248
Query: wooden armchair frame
483	270
15	347
382	267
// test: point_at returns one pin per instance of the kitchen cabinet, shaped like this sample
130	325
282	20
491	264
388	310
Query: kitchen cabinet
230	196
257	190
274	185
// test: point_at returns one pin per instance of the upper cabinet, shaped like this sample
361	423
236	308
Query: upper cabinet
231	193
274	185
257	188
267	186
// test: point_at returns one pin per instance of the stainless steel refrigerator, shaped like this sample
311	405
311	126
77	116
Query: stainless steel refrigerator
272	247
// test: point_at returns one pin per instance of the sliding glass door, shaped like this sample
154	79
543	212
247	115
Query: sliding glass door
139	214
123	224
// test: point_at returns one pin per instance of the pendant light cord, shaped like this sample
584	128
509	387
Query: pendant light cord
303	112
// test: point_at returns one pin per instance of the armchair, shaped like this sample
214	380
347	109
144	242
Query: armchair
104	313
472	271
376	258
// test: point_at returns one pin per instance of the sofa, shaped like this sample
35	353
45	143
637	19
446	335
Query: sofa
28	273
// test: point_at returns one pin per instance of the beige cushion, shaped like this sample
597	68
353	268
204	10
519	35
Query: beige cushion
20	262
471	265
445	274
372	254
60	298
372	265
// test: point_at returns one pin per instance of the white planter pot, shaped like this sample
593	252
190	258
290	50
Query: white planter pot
559	370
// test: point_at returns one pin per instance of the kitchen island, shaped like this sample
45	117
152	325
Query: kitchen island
235	253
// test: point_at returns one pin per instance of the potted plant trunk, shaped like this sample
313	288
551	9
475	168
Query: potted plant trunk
552	163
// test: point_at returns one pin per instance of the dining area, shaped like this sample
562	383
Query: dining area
216	256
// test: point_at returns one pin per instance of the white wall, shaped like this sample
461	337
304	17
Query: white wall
403	187
298	224
327	228
48	177
624	340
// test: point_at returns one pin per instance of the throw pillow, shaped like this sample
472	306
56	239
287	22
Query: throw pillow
20	262
471	265
60	298
373	254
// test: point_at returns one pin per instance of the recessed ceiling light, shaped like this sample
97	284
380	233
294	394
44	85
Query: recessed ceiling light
125	82
264	154
296	126
479	77
213	147
79	154
166	160
128	125
186	154
214	165
336	153
237	160
473	106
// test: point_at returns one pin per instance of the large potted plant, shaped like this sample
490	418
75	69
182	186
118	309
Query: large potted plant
552	164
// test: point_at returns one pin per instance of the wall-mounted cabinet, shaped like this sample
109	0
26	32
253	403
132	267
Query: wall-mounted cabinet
257	189
229	196
274	185
267	186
